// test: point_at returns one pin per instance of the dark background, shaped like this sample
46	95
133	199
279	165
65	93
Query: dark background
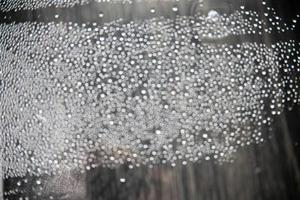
268	171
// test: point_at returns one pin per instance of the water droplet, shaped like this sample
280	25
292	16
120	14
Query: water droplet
213	15
38	182
152	10
175	8
122	180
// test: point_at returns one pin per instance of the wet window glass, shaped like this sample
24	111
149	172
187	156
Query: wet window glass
149	100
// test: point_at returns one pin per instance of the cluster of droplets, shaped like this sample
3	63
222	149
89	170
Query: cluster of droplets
17	5
67	185
80	96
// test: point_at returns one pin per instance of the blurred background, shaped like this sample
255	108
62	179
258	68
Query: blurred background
266	171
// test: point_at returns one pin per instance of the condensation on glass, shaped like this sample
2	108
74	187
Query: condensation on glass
148	99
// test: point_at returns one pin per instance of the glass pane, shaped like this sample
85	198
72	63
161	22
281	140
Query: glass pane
149	99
